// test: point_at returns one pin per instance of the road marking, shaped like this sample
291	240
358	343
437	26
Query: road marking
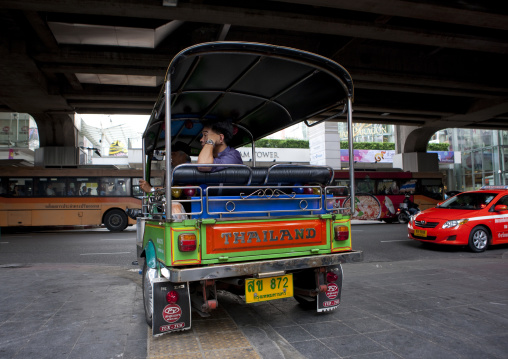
396	240
4	242
117	239
96	254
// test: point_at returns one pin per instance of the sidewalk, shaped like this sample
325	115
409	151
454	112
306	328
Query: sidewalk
406	309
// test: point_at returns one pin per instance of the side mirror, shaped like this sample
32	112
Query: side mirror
500	208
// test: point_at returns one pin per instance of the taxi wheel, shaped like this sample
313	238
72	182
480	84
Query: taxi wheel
478	239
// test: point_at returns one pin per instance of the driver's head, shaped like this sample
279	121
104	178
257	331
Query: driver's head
179	157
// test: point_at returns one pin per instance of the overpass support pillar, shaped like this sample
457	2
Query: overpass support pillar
324	143
58	135
411	149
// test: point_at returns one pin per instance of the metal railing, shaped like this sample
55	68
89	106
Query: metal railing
248	201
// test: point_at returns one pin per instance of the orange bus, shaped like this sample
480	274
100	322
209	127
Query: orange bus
36	196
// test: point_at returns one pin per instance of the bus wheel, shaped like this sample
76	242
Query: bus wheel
116	220
148	275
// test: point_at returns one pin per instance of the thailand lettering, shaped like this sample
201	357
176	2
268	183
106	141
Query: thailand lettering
501	220
502	235
268	236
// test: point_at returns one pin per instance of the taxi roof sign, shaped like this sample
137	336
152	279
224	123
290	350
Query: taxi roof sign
494	187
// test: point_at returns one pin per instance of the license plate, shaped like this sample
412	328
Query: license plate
420	233
262	289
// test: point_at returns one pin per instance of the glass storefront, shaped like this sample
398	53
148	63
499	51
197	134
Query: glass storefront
18	130
484	157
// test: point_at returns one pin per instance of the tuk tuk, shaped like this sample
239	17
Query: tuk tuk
263	233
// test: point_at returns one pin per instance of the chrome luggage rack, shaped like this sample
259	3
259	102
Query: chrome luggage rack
233	202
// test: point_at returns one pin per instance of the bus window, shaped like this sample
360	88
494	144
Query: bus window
408	187
365	186
3	189
20	187
51	186
432	188
88	186
117	186
387	186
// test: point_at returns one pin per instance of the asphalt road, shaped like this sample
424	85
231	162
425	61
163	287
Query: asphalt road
380	242
56	245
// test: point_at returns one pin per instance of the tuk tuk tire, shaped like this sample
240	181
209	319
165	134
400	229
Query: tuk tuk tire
116	220
479	239
146	284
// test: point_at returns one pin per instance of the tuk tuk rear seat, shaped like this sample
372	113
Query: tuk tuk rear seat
261	176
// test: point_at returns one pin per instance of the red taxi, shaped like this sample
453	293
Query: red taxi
476	219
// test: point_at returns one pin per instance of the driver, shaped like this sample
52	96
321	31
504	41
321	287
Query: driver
177	158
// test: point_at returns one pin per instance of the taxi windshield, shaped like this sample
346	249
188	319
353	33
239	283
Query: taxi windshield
469	201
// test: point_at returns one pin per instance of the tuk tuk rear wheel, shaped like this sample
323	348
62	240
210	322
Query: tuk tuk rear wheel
148	275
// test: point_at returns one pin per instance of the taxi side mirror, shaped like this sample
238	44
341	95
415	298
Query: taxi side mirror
500	208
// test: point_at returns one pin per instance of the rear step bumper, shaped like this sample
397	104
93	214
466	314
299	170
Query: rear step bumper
254	268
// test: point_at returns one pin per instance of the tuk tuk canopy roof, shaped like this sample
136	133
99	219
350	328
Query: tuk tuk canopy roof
261	88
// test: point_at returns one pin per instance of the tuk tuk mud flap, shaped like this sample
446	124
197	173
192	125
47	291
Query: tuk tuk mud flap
329	299
168	317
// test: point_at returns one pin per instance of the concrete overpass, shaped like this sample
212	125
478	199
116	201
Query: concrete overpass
423	64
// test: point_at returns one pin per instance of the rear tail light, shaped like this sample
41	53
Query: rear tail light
341	233
331	277
187	242
172	297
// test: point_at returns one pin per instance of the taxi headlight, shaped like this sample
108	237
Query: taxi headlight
455	223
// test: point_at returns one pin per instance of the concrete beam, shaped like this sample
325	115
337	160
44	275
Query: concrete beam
257	18
415	10
482	112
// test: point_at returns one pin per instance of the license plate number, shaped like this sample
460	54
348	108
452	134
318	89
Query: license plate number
262	289
420	233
